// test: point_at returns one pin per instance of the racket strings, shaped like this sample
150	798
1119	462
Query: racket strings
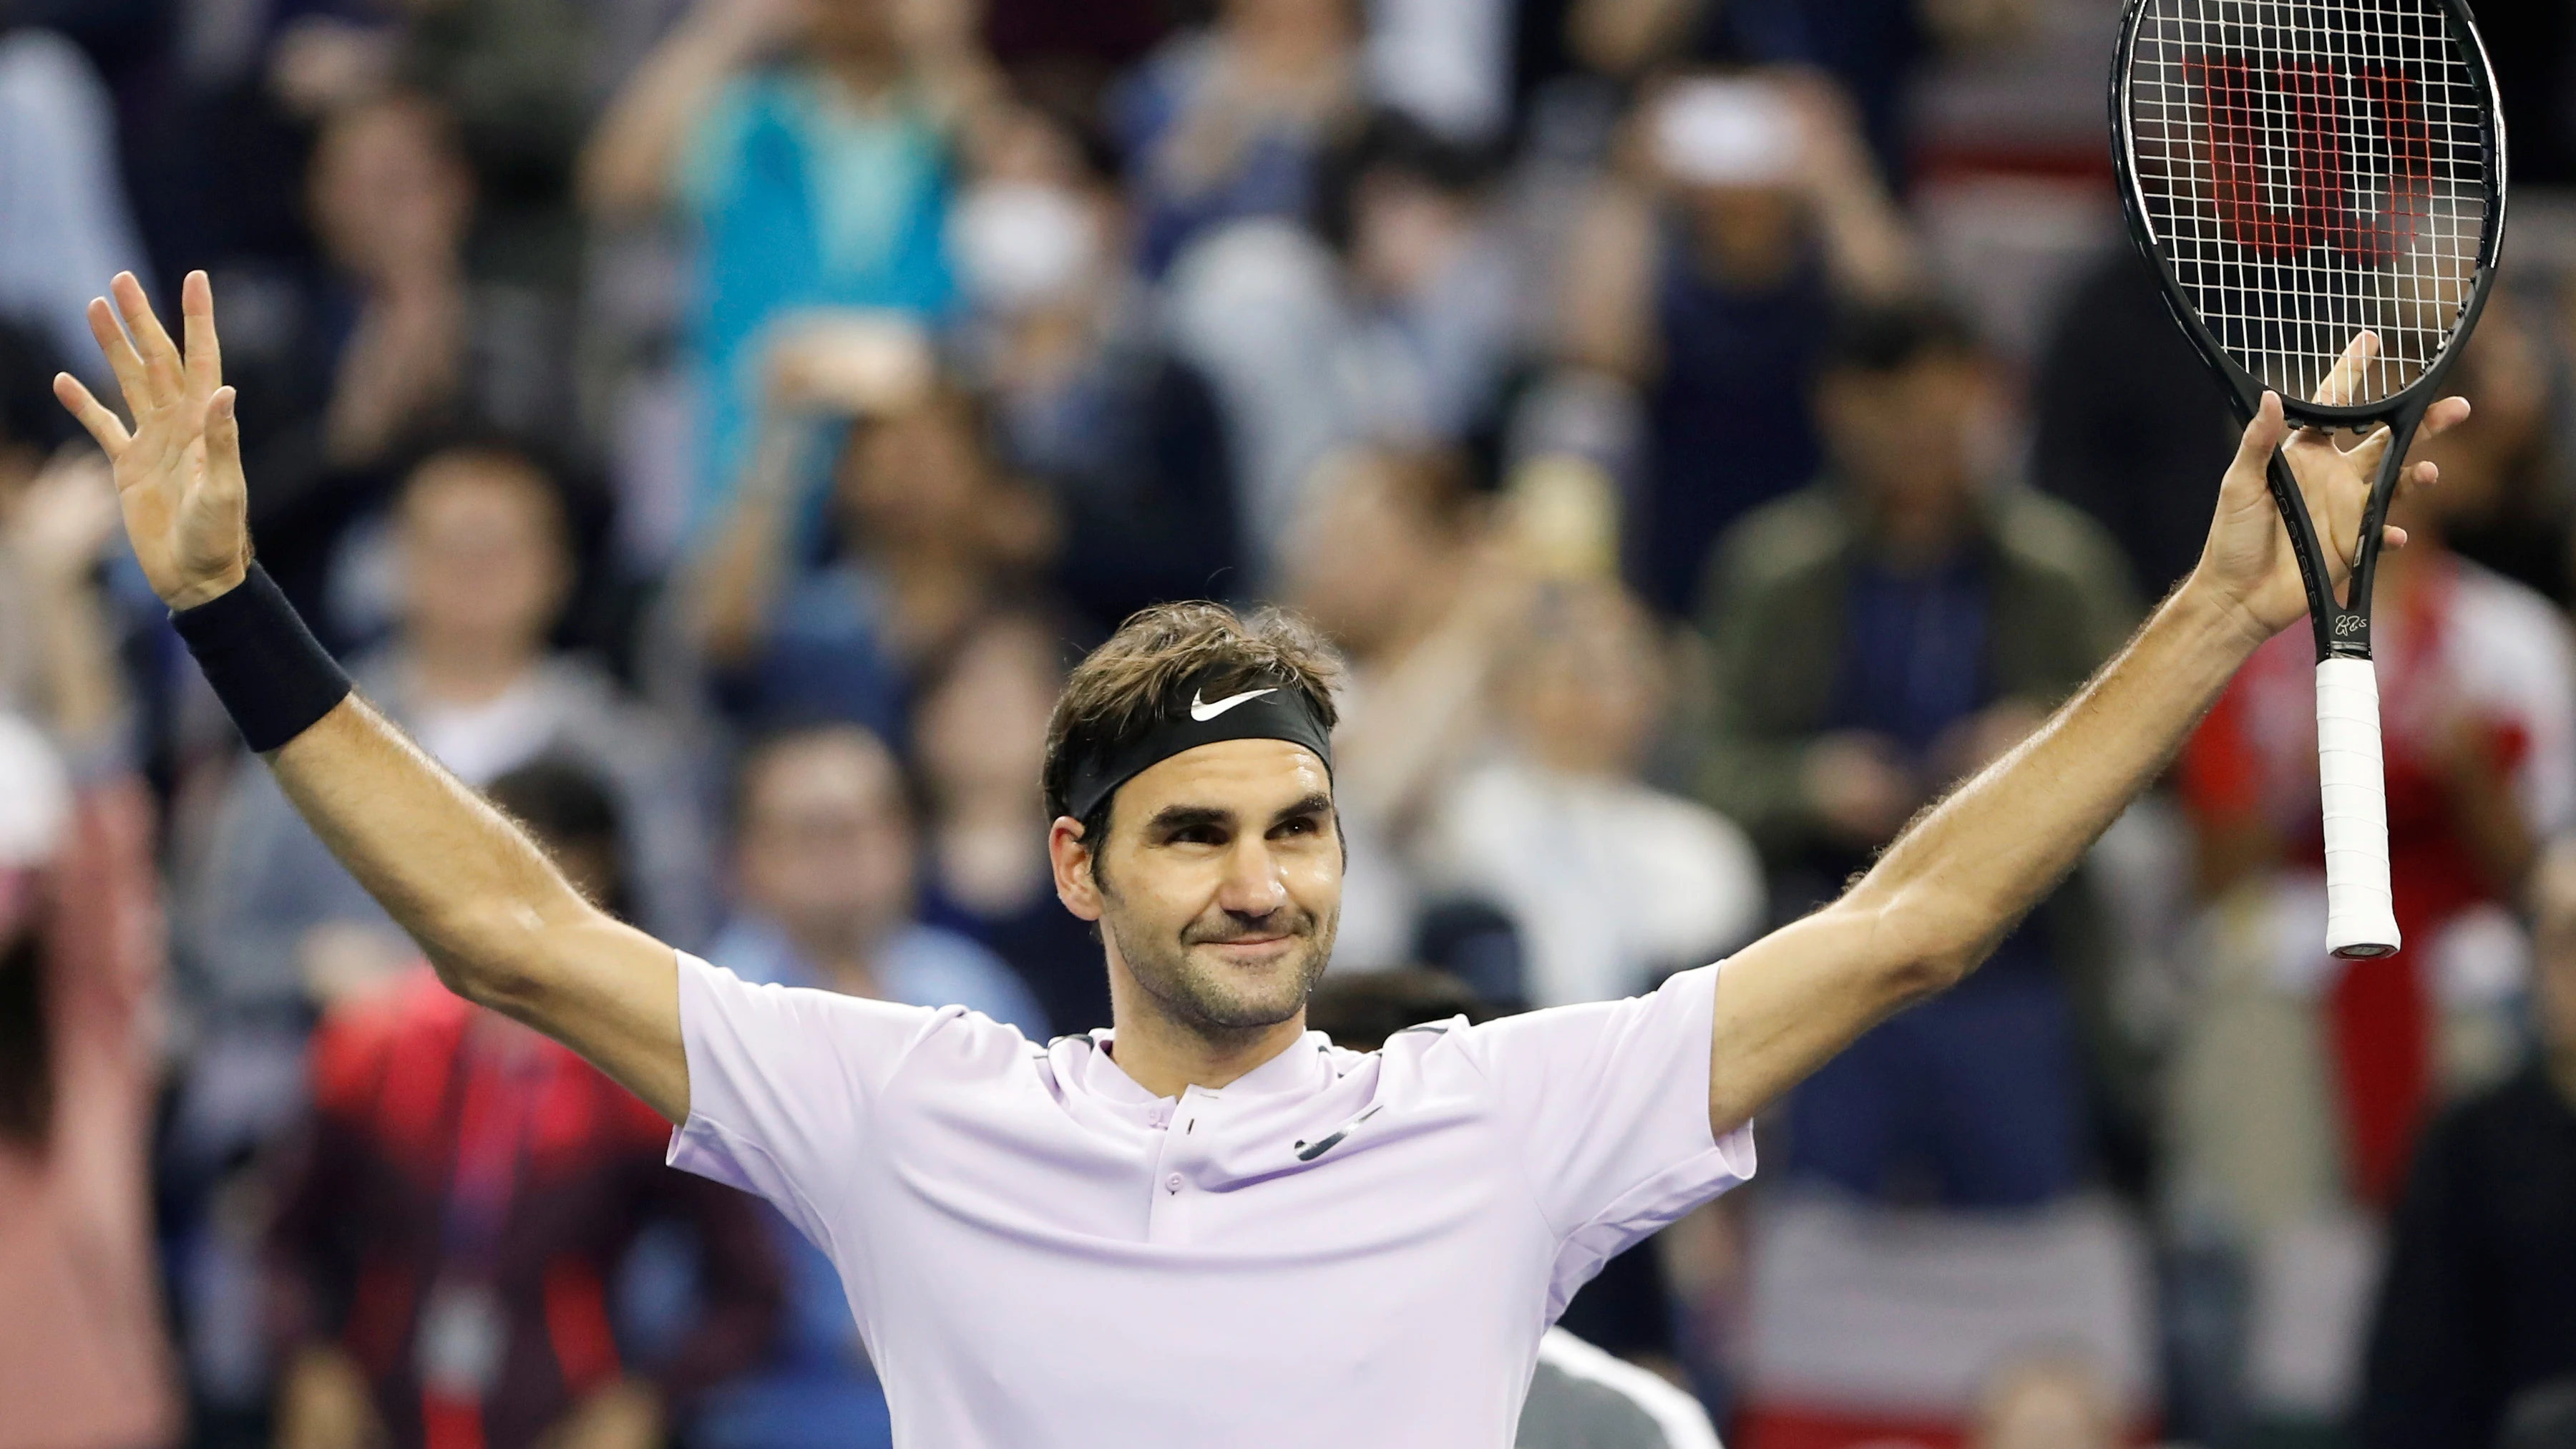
2313	168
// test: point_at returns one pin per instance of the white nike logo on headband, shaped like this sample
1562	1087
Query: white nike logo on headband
1205	712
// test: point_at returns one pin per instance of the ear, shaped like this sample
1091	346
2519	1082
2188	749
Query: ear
1070	855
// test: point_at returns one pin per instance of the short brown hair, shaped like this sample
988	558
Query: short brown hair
1124	687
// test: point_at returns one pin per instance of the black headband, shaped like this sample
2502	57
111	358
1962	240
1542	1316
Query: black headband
1260	710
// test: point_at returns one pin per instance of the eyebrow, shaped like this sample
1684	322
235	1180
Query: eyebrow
1317	803
1173	818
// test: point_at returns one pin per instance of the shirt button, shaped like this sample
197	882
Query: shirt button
1159	1117
1172	1183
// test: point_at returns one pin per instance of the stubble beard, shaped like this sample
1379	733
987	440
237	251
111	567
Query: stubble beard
1218	1001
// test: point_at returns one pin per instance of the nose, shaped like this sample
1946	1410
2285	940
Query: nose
1252	886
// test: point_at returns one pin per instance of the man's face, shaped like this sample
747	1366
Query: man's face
386	192
1219	887
1358	550
1901	438
482	555
915	480
826	848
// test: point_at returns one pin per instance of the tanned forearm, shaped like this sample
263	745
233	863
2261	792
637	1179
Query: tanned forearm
497	919
1970	867
499	922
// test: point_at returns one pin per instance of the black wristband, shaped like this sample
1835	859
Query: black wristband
275	679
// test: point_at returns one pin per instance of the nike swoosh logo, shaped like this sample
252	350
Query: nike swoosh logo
1205	712
1306	1153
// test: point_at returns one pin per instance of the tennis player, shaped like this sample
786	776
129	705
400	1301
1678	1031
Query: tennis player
1207	1226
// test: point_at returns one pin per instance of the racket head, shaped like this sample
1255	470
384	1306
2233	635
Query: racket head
2298	171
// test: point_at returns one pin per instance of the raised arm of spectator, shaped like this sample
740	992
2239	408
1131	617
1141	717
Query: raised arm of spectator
632	162
54	537
1956	881
496	918
1869	250
733	586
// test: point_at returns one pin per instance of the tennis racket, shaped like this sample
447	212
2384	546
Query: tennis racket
2299	172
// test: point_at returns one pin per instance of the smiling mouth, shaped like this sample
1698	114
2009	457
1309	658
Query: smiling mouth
1249	945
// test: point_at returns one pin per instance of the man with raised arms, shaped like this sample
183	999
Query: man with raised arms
1206	1226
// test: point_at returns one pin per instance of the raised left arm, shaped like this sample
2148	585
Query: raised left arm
1969	868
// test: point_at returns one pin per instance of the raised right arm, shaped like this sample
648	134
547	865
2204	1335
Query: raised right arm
499	922
628	166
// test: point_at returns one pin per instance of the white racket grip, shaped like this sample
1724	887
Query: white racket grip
2359	918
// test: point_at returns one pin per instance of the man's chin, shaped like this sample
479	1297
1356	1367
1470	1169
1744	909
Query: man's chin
1240	995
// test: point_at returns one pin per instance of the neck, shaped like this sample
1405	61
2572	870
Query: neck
865	75
991	847
1915	539
842	954
433	281
459	673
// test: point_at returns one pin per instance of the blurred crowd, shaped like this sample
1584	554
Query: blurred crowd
713	427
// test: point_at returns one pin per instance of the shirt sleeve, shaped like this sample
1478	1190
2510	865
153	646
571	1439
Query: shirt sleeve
782	1083
1608	1104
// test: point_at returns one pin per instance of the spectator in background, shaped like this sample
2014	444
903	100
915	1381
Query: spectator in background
84	1360
2477	690
824	862
64	224
483	567
1879	635
923	534
525	80
2126	423
395	349
1433	291
809	146
1393	560
1394	327
1610	882
1705	274
1225	123
450	1227
2479	1302
978	742
28	439
2522	523
1877	50
1091	398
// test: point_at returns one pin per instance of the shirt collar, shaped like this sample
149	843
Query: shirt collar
1302	1066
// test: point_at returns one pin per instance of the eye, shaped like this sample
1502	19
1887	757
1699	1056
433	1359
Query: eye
1302	825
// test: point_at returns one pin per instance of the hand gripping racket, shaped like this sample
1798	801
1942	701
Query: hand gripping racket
2299	172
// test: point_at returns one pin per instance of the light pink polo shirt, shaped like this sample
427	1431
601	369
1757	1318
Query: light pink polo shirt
1339	1249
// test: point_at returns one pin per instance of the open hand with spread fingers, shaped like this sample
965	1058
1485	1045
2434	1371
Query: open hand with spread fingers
178	470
